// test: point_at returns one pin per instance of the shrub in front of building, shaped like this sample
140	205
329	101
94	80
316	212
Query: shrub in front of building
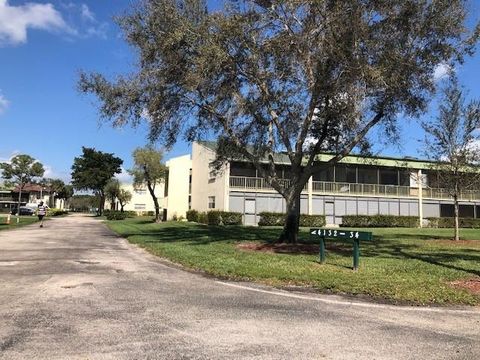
379	221
56	212
116	215
449	222
131	214
202	218
278	219
215	217
192	215
312	220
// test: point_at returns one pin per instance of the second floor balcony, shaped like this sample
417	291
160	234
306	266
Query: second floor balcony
338	188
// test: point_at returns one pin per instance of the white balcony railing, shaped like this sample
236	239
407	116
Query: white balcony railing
253	183
325	187
363	189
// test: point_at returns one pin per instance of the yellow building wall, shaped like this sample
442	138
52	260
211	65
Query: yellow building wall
205	184
176	201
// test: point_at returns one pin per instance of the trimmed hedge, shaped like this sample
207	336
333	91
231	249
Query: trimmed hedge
116	215
312	220
131	214
379	221
449	222
56	212
278	219
192	215
202	218
215	217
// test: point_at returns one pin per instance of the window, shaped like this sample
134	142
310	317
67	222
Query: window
190	182
242	169
345	174
388	177
367	175
324	175
211	176
211	202
140	191
404	178
465	211
140	206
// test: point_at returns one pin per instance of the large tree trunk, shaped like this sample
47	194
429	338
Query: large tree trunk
456	215
101	206
151	190
19	202
292	220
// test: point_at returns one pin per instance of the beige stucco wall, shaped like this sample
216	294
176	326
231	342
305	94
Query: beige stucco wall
204	185
176	201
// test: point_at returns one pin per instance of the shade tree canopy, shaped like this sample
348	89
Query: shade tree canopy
124	197
301	77
148	170
112	190
93	170
452	140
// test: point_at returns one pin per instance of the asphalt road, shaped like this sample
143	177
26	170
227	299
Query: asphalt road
74	290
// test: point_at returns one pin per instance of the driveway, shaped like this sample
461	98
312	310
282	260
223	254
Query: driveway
74	290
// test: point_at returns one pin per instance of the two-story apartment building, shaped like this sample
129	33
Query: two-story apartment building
356	186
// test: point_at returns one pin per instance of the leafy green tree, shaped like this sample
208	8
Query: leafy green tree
21	170
112	191
65	194
93	170
124	197
300	77
452	140
83	202
54	186
148	170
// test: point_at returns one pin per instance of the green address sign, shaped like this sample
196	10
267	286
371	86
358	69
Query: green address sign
342	234
353	235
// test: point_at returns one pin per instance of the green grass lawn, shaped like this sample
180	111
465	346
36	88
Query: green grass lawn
24	220
400	265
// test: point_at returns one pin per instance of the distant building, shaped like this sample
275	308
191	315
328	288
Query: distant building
31	195
142	201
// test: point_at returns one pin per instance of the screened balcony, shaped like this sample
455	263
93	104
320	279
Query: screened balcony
336	188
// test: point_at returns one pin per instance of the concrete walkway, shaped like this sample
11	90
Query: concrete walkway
73	290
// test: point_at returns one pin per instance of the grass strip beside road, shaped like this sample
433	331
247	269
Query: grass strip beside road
24	220
400	265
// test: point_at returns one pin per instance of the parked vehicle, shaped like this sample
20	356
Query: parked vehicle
24	211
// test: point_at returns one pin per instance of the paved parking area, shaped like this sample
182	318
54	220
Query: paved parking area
74	290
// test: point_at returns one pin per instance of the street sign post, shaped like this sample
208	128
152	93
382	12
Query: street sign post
352	235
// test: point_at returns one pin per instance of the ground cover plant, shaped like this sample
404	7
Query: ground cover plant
400	265
24	220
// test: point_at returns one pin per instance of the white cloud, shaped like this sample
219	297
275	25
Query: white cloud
16	20
8	158
124	177
51	173
441	71
4	103
87	14
85	21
